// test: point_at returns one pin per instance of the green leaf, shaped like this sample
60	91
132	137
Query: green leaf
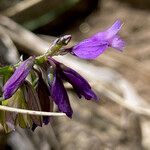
5	74
10	120
24	121
33	78
32	101
6	70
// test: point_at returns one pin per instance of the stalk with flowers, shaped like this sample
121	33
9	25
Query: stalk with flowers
37	82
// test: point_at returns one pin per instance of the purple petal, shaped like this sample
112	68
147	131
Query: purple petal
90	48
80	85
114	29
110	32
117	43
16	80
60	97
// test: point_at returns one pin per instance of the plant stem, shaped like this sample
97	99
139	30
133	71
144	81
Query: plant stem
31	112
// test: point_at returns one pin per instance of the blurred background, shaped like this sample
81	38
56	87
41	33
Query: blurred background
121	119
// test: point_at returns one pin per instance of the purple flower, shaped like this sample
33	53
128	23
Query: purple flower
59	95
92	47
16	80
80	85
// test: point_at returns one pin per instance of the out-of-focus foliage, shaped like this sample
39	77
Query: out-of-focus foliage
7	3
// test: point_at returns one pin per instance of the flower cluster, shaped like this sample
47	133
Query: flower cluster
37	83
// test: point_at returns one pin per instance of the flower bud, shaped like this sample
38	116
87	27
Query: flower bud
18	77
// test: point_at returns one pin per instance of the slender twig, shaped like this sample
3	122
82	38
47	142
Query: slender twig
30	112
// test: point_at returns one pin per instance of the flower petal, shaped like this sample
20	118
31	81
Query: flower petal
80	85
90	48
110	32
17	78
60	97
117	43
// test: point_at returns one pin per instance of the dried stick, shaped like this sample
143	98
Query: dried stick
31	112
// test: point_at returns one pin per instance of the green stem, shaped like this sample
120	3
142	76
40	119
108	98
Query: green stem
52	51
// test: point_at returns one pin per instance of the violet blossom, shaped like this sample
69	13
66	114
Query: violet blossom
94	46
16	80
58	91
